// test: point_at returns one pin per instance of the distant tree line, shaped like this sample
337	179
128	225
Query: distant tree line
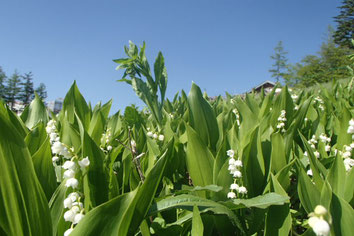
19	88
333	61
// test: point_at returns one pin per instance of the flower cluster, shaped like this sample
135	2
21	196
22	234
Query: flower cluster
317	221
75	212
320	103
351	128
294	97
326	140
347	154
237	114
155	135
105	139
281	120
313	142
58	149
234	168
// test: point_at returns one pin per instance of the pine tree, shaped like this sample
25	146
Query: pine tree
2	83
27	93
345	20
41	91
13	89
280	65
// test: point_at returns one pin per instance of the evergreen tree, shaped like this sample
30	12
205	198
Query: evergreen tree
27	93
13	89
345	20
2	83
41	91
280	65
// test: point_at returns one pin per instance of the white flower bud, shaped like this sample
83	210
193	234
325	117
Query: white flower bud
319	226
320	210
85	162
317	154
237	174
69	215
69	165
68	232
150	134
68	203
161	137
78	217
232	161
69	174
75	209
231	195
234	186
238	163
242	190
109	148
230	153
57	147
72	182
55	158
155	136
327	148
73	196
309	172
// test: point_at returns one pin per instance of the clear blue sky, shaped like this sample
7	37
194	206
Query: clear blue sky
222	45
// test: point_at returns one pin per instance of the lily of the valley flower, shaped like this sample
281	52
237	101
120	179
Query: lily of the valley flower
72	182
85	162
317	222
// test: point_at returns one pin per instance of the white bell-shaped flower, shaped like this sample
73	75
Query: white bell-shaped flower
231	195
69	165
85	162
78	218
69	215
242	190
72	182
68	232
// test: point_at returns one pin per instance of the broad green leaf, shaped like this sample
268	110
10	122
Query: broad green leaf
56	205
199	159
337	176
73	103
22	201
186	201
262	201
37	112
308	193
35	138
202	118
43	165
197	223
342	216
278	155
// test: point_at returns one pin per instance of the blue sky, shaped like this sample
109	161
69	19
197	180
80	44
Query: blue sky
222	45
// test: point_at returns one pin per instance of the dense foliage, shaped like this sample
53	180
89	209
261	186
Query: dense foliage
262	164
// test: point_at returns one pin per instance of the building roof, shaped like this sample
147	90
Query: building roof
265	83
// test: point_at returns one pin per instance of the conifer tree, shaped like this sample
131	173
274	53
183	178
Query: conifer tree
13	89
345	29
2	83
27	93
280	65
41	91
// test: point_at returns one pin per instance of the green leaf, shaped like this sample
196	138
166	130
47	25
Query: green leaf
199	159
35	139
43	165
342	216
262	201
37	112
56	205
337	176
309	195
202	117
278	155
73	103
22	201
197	223
186	201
